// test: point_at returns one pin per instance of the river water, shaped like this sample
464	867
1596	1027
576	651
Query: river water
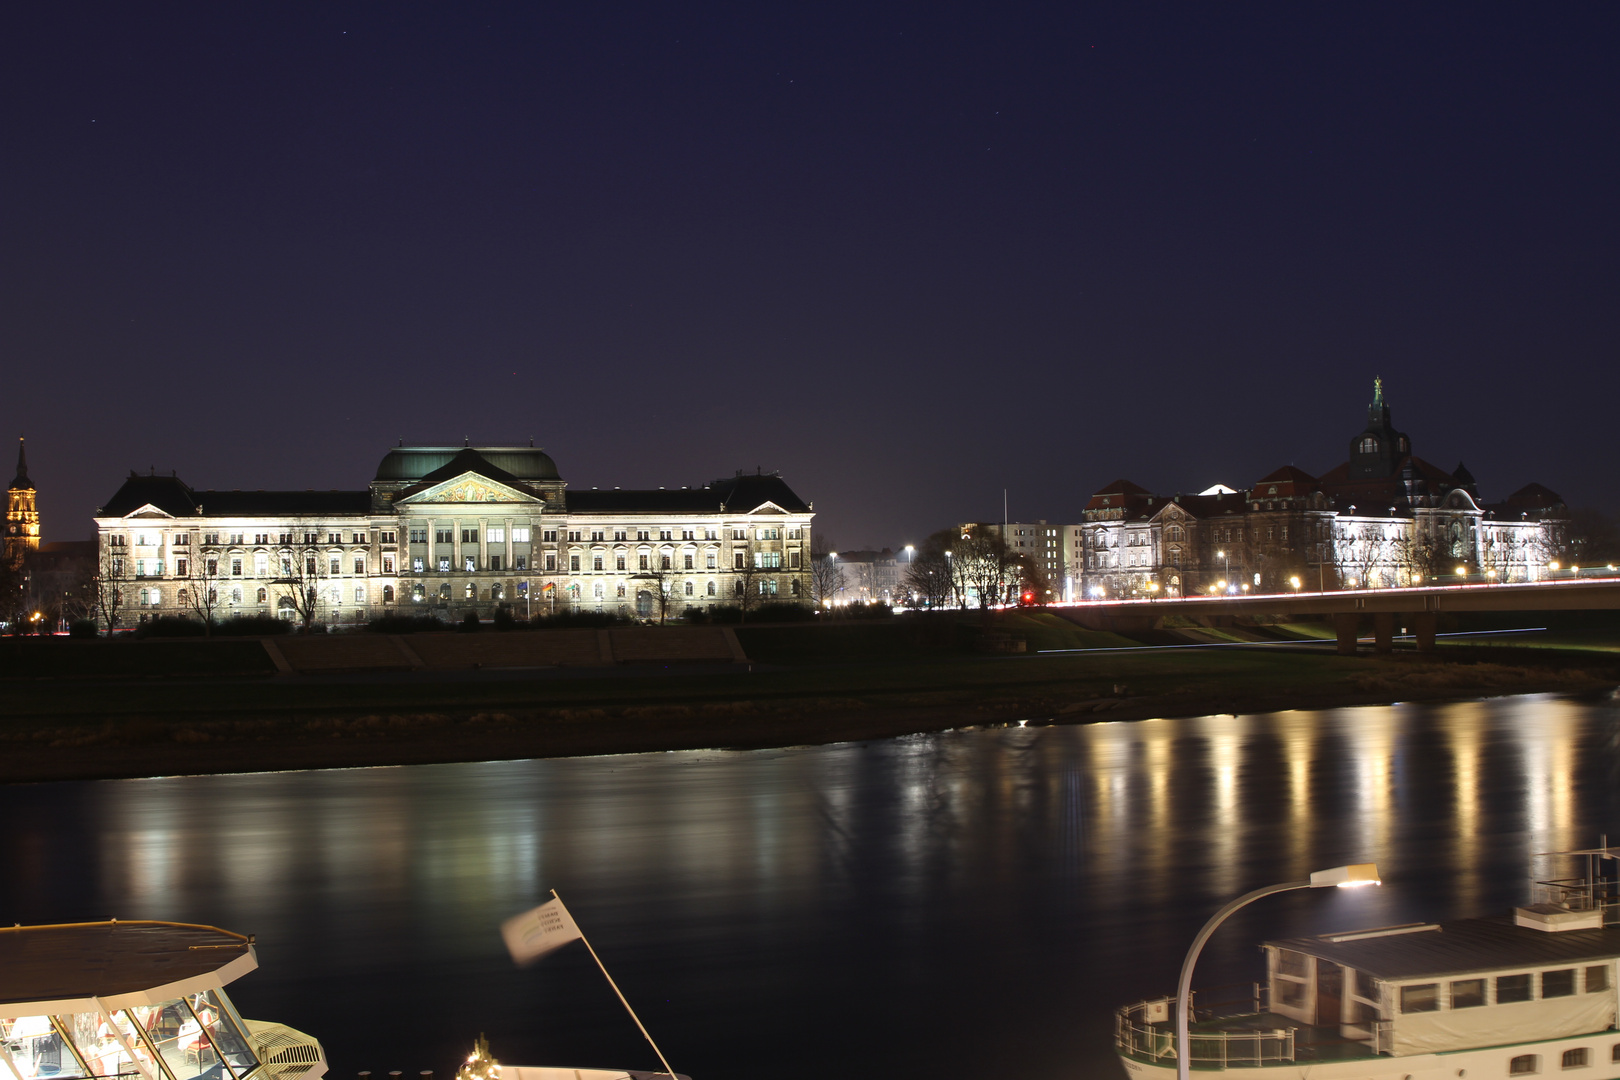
973	904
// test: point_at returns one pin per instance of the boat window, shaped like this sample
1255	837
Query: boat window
1291	993
1423	997
1597	978
36	1049
1364	1013
99	1044
1290	962
1467	993
1614	1054
1366	986
1524	1065
1574	1059
1512	988
1560	983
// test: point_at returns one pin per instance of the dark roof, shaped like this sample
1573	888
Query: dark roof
468	461
412	463
21	483
1461	947
1534	497
733	495
1288	474
172	496
51	963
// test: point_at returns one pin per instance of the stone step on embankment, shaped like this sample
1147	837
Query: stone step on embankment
341	652
520	649
670	644
534	648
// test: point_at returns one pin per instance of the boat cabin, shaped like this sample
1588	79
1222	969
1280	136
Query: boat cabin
1541	973
137	1000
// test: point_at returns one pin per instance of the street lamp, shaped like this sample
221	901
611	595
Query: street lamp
1294	581
1342	876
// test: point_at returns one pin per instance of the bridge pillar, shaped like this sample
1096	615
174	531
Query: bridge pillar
1423	625
1384	632
1345	625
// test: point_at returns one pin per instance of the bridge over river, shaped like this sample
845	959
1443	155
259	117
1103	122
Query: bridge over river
1416	609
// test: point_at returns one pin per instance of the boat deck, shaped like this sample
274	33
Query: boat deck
1245	1040
1311	1043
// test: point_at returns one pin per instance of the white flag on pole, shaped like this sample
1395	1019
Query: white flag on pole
531	935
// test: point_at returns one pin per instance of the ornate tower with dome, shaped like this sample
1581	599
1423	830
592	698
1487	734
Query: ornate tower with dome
22	516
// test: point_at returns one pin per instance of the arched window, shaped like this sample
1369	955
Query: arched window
795	586
471	591
711	588
1369	445
495	591
264	595
689	588
388	594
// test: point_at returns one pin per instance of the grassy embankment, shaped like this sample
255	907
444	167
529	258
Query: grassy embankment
132	708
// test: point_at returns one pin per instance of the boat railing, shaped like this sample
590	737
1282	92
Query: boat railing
1582	894
1146	1030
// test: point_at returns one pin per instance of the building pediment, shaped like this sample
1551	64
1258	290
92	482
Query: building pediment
767	508
149	511
469	487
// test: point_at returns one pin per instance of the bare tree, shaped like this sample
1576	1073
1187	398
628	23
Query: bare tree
203	581
659	580
982	568
108	585
928	576
303	569
748	579
1502	551
827	578
1415	553
1361	550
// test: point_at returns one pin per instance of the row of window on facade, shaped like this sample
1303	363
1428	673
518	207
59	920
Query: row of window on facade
214	539
236	565
645	561
332	594
599	590
521	534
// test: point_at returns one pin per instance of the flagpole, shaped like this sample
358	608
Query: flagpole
616	990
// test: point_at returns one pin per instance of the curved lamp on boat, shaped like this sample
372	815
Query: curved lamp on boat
138	1000
1340	876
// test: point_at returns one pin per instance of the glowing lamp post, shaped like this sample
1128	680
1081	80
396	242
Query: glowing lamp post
1294	581
1345	877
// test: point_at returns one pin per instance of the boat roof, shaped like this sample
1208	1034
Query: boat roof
134	961
1463	947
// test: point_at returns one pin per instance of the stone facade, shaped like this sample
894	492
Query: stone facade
448	530
1383	518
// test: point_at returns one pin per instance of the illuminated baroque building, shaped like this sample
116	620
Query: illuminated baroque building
1384	517
447	530
22	515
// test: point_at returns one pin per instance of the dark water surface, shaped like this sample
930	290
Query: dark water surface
968	904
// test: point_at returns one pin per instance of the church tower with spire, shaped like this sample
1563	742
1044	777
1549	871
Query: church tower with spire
22	516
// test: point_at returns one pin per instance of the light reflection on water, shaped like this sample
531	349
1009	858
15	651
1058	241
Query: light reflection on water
973	903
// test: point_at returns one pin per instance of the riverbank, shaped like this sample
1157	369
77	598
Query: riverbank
62	729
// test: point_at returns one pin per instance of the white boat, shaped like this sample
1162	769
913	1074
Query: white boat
137	1000
481	1065
1531	993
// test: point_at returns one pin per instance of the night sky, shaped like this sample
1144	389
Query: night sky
909	255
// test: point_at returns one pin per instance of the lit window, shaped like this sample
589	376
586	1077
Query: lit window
359	594
496	535
470	562
520	534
